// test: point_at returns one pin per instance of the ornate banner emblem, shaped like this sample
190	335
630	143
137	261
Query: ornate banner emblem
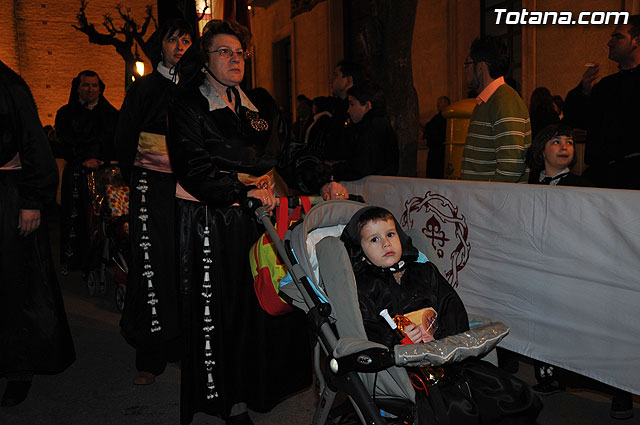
444	227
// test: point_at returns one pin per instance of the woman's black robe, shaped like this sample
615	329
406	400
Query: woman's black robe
34	333
259	359
145	110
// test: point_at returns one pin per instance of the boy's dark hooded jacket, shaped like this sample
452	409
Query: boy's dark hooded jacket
421	286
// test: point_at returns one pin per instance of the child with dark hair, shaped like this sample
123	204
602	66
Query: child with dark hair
372	145
392	274
551	156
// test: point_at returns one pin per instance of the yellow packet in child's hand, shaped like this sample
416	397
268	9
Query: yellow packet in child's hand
427	317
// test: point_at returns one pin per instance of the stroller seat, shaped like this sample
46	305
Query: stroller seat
363	369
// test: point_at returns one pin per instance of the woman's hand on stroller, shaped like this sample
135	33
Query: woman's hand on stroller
265	196
333	191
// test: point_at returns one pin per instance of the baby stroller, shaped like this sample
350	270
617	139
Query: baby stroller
109	230
322	284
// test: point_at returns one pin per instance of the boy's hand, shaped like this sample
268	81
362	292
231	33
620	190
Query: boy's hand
414	333
425	336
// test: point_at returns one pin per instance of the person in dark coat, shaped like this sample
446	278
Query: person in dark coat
391	274
372	148
609	111
224	146
304	117
34	332
542	110
435	134
85	128
141	147
323	136
345	75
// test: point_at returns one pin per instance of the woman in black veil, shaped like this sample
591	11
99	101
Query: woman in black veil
150	320
224	150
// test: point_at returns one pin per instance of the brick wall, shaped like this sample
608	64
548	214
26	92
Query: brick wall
48	52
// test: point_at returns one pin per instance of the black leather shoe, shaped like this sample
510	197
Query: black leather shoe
15	393
547	388
622	405
241	419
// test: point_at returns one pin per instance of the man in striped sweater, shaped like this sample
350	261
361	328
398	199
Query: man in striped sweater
499	129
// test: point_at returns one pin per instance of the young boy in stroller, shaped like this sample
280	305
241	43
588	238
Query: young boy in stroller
391	274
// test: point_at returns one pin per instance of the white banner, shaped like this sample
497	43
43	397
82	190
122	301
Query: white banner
559	265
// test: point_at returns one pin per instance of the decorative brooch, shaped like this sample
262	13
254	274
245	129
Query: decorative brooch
257	123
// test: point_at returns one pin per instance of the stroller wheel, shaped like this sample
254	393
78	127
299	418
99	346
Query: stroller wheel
92	282
121	291
102	283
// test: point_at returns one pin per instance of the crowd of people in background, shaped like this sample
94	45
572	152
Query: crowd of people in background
194	147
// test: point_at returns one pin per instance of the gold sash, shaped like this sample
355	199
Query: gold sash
151	142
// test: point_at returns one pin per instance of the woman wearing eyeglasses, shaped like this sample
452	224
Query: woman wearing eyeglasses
150	320
225	147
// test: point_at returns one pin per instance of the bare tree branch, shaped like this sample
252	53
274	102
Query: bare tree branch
204	11
129	30
147	20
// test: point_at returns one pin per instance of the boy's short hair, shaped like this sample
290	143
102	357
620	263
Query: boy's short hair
368	92
373	214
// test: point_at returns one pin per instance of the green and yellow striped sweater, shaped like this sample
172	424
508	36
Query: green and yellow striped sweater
499	135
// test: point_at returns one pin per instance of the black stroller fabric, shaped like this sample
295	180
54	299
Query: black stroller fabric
473	391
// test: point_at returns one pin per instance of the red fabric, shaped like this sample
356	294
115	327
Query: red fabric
265	284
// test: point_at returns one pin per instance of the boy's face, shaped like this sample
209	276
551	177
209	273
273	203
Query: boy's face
558	153
380	242
357	110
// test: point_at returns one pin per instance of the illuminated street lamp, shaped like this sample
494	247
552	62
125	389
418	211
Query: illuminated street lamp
139	63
